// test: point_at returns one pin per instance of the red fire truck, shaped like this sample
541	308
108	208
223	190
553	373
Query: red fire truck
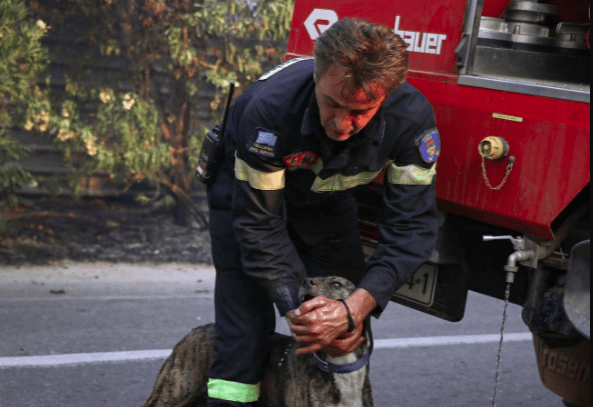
509	82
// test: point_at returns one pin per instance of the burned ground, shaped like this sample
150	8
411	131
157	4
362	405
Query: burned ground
43	230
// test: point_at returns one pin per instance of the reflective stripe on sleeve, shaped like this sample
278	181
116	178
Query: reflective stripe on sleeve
340	182
257	179
233	391
410	175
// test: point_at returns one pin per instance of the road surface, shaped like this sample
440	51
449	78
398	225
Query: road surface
95	335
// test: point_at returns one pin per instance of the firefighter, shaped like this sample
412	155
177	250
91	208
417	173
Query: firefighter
297	143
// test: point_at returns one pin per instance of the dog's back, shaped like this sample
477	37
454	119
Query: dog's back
290	380
183	377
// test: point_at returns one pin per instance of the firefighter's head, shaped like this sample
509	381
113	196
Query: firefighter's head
357	64
370	54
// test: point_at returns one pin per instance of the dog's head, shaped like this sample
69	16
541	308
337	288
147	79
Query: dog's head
333	287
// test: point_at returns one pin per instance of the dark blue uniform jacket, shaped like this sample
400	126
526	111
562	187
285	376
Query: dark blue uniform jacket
284	164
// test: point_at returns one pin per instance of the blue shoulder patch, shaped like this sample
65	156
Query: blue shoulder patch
429	145
264	144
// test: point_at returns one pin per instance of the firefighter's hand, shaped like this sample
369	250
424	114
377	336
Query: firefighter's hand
346	343
322	324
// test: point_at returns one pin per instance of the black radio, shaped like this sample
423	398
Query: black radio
212	150
210	155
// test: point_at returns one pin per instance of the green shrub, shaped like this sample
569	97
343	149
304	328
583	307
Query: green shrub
22	59
144	123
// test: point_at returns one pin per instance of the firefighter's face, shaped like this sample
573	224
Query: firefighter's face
344	110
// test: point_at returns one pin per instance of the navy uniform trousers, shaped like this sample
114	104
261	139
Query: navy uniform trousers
328	244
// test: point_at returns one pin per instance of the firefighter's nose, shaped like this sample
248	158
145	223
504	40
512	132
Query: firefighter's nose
343	123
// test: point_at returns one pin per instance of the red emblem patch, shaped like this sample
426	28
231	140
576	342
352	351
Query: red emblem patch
301	159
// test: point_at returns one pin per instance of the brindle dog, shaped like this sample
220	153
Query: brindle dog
290	380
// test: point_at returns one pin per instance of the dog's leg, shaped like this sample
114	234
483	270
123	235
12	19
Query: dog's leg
183	378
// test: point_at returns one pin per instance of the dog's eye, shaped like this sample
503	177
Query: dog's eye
337	285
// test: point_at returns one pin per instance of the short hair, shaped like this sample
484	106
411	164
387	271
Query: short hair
370	53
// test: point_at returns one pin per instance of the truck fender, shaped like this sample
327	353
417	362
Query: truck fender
577	297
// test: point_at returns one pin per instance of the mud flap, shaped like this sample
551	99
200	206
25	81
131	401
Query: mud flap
577	297
566	371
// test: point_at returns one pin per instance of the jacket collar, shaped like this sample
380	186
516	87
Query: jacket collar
311	121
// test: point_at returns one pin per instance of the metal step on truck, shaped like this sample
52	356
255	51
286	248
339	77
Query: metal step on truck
510	85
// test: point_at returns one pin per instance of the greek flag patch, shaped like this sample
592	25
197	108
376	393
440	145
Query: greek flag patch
264	144
265	138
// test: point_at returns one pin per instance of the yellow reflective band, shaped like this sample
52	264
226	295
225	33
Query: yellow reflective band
340	182
259	180
317	167
233	391
410	175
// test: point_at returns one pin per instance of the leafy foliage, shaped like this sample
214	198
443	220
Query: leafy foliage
22	58
145	119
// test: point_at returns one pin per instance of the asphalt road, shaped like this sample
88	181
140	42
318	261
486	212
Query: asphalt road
71	336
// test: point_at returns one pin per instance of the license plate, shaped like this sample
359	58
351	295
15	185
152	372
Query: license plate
420	288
